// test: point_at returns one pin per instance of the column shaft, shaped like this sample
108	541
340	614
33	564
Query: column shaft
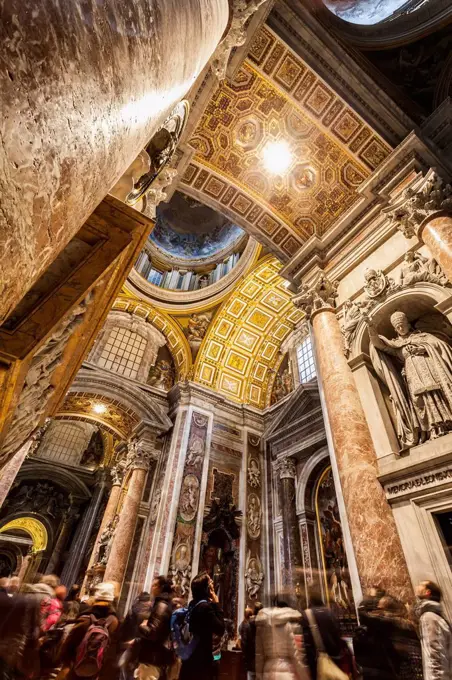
437	235
60	544
109	514
10	470
376	542
293	561
81	106
124	532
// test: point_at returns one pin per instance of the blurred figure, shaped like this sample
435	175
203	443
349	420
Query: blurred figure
205	619
71	605
139	613
4	585
50	606
14	585
277	656
386	644
435	632
85	651
328	628
155	655
19	632
248	640
248	614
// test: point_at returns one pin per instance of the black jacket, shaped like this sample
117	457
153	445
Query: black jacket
206	620
330	633
139	613
153	639
248	641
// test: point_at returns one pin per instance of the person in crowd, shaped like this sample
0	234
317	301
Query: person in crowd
50	606
247	632
71	604
435	632
277	655
86	647
4	584
155	654
14	586
248	614
386	644
138	613
19	635
328	628
205	621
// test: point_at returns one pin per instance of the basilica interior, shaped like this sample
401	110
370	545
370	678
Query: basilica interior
226	296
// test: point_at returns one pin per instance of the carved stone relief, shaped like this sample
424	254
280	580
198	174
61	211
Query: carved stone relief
254	575
38	388
161	375
180	569
321	294
106	541
254	473
189	498
253	516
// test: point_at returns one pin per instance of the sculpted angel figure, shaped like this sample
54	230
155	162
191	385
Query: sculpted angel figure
353	312
416	366
417	268
254	575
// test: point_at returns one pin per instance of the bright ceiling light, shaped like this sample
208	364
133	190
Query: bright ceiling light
99	408
277	157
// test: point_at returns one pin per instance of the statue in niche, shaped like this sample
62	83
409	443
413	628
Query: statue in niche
93	454
161	375
203	281
417	268
254	575
416	366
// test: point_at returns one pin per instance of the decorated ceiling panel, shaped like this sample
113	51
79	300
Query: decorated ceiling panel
273	97
115	418
240	354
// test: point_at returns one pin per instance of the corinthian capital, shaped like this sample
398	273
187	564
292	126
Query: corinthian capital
287	468
428	195
140	455
322	294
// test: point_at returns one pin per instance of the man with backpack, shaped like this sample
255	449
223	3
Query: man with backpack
435	632
84	653
154	651
193	630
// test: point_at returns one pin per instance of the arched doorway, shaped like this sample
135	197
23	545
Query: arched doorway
23	541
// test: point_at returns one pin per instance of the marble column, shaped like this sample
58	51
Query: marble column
437	235
84	86
425	210
82	535
376	542
69	517
108	517
138	462
293	561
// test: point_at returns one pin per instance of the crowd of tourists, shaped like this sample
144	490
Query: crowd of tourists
47	633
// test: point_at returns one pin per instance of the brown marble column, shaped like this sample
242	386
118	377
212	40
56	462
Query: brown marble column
437	235
10	471
378	551
138	463
84	85
293	561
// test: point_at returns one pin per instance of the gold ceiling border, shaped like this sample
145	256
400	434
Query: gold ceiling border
240	353
176	340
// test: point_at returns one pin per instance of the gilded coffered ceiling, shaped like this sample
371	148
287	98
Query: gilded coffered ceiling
275	96
116	418
240	354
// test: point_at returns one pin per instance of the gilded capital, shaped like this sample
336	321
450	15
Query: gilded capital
287	468
427	196
320	295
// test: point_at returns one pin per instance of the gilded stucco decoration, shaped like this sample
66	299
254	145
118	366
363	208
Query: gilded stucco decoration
31	526
175	339
239	354
117	419
275	96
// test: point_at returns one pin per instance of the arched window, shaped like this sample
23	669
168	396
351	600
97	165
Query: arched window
123	352
305	358
65	442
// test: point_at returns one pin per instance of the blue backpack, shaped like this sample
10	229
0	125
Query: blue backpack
184	642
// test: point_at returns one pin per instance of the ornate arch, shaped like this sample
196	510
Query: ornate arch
305	480
33	527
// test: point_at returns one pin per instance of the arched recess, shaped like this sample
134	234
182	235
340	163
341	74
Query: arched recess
70	482
31	526
305	484
176	341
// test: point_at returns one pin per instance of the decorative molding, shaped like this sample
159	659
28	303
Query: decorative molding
320	295
287	468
